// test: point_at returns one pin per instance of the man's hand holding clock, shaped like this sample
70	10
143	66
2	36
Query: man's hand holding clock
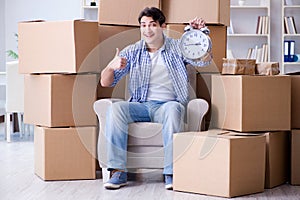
195	43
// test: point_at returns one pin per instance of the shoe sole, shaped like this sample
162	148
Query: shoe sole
112	186
169	187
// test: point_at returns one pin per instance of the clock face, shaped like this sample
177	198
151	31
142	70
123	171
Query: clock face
194	44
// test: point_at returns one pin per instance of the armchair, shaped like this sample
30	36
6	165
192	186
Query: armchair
145	145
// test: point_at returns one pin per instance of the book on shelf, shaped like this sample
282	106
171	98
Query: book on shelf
262	26
289	50
288	2
289	25
292	21
230	28
258	53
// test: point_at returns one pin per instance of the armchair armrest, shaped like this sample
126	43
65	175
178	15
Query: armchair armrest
196	110
100	108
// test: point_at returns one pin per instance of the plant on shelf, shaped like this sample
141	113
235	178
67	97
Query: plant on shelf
11	53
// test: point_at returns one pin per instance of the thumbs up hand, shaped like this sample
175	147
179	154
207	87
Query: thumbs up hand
118	62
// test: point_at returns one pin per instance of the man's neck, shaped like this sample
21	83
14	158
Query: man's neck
152	48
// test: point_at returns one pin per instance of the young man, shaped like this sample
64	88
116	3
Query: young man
158	87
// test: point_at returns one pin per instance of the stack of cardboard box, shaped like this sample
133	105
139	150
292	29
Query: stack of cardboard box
239	161
61	62
295	132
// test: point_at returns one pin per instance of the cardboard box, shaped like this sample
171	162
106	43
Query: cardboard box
295	155
267	68
213	12
218	36
65	153
219	163
277	158
58	47
122	12
251	103
204	91
295	116
60	100
112	37
238	66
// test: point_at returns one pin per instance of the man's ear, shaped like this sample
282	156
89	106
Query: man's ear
164	25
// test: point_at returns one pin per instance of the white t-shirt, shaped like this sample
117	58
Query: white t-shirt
161	87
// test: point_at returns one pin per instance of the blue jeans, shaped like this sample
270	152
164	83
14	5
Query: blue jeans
120	114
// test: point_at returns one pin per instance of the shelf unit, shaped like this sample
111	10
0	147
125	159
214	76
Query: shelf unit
89	12
244	20
291	10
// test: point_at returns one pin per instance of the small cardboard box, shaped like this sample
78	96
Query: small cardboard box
122	12
295	116
65	153
219	163
238	66
251	103
60	100
213	12
295	155
218	36
277	158
58	46
267	68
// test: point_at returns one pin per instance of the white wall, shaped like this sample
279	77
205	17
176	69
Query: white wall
2	35
23	10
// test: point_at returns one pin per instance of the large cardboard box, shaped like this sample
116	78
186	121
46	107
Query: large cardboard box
295	155
251	103
60	100
65	153
218	35
213	11
123	12
112	37
58	46
277	158
295	116
219	163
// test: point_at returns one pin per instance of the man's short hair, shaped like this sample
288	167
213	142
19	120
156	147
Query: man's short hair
155	13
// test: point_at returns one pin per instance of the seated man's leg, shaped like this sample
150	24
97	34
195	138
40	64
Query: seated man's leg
119	115
171	115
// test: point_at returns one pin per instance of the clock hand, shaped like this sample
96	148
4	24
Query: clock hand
193	44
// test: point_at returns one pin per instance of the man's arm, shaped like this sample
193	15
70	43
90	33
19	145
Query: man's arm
107	74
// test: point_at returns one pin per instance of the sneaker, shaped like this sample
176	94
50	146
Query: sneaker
117	180
169	182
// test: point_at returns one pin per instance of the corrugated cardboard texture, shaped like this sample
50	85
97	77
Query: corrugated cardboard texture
277	158
295	155
213	11
58	47
65	153
112	37
251	103
223	165
123	12
60	100
295	116
218	36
